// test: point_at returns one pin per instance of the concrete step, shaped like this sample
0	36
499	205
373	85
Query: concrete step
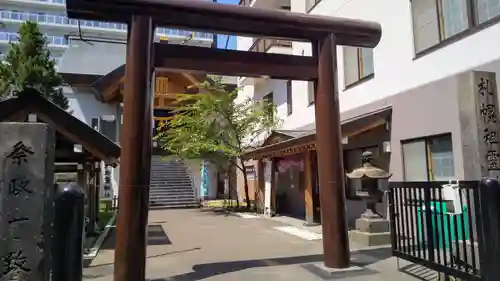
170	177
180	206
171	188
169	171
167	163
161	196
169	174
172	201
170	182
173	192
170	185
158	164
168	166
160	184
163	165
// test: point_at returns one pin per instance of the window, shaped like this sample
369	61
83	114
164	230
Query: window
486	10
107	127
95	123
161	86
311	4
289	101
437	20
269	98
429	159
310	92
358	64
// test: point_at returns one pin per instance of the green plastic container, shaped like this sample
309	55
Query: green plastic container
443	225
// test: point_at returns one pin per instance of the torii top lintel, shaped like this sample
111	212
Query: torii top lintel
230	19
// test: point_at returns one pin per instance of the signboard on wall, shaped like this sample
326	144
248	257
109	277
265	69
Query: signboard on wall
250	172
106	190
267	188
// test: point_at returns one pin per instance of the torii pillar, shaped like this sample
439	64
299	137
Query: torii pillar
133	202
330	160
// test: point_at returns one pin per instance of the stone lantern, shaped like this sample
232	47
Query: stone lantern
371	229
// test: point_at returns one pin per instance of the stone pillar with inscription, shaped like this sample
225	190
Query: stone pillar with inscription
479	114
26	200
479	121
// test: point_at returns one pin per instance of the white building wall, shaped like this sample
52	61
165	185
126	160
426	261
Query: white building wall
278	88
396	68
244	43
302	113
84	105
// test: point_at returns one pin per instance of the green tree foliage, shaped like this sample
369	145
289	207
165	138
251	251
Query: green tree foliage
213	126
28	65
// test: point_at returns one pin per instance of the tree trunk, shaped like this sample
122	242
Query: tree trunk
231	187
247	196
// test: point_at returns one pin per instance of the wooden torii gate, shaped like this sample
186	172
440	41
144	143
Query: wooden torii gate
325	34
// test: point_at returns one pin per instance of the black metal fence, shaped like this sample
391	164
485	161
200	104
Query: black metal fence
444	235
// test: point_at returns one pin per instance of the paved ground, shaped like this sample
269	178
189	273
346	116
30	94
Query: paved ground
189	245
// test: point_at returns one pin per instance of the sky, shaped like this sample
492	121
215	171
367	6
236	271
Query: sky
221	43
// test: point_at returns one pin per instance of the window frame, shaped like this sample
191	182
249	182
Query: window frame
428	156
359	60
473	27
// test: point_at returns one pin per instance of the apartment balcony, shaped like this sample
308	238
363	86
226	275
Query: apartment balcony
55	7
267	4
56	44
62	25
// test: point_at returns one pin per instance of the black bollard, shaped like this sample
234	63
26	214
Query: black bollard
490	225
68	233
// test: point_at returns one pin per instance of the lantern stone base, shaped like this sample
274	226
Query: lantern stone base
371	232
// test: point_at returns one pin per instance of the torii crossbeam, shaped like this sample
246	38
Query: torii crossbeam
325	33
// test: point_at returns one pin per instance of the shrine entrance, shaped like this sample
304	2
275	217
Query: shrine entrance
144	57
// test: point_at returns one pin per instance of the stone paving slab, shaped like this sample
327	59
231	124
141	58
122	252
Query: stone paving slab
216	246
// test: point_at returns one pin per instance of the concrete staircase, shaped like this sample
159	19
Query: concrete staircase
171	186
